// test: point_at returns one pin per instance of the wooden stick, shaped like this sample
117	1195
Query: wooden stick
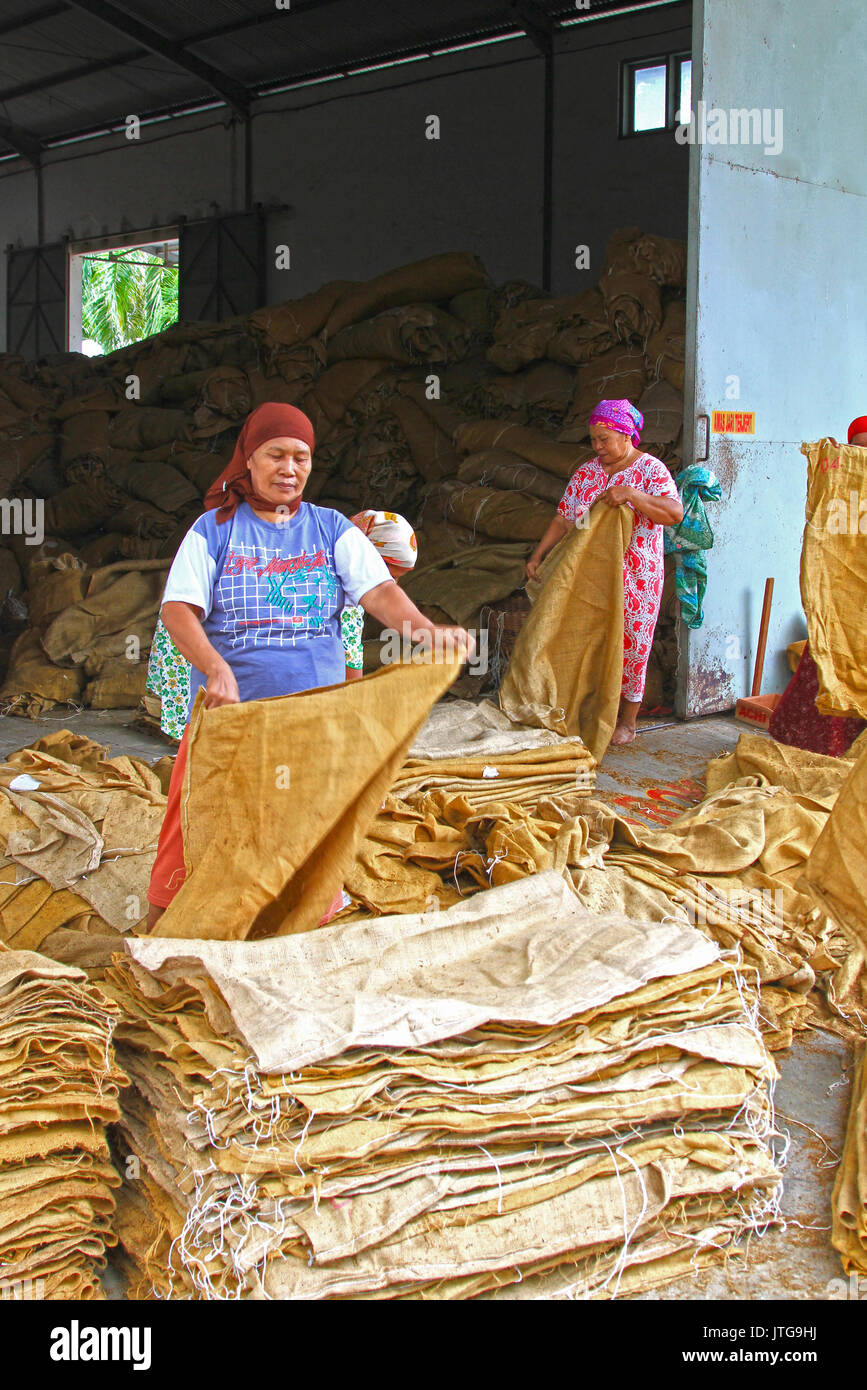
763	637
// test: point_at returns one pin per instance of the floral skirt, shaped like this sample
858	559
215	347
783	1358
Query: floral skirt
169	677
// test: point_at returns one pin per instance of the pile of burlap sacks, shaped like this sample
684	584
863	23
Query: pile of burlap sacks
59	1089
462	404
488	844
514	1087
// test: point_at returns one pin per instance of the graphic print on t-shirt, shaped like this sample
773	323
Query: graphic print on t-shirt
290	596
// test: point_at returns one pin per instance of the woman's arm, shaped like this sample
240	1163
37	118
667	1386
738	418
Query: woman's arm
665	511
556	531
183	622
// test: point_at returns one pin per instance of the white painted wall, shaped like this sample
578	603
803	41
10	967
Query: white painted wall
778	288
366	191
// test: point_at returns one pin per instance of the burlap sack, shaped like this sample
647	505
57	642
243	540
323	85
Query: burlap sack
633	305
144	427
415	333
119	685
501	469
288	826
559	458
299	319
22	448
666	349
834	575
525	332
82	507
662	258
539	396
53	586
567	666
152	481
662	408
332	392
432	450
33	683
84	434
613	376
10	574
427	281
131	644
506	516
461	584
118	598
836	871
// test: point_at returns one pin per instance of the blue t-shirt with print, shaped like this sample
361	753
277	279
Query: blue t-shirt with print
277	599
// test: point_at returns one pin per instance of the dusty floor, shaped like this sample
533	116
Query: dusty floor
654	779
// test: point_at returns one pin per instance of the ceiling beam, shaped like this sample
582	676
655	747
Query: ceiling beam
232	92
57	79
34	17
28	145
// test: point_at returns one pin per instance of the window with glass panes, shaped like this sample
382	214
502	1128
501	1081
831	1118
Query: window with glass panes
656	93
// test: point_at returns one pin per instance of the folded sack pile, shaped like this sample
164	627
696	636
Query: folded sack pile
439	1105
58	1090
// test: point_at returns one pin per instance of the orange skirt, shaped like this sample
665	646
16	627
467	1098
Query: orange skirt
169	871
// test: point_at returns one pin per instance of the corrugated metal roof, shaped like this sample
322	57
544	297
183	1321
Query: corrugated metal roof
68	67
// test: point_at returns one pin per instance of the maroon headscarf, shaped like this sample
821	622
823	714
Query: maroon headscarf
271	420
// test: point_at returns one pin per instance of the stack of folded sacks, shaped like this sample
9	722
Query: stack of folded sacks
58	1090
474	751
511	1087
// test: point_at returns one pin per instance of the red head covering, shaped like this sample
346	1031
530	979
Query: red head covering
858	426
271	420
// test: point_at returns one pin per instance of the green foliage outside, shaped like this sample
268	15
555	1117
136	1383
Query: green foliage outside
126	297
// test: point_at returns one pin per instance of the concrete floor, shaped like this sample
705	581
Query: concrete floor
660	773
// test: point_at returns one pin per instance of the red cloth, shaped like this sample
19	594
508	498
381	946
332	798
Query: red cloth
797	721
169	871
272	420
858	426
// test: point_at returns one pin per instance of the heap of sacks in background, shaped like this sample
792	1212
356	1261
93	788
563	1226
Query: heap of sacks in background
78	833
122	448
59	1088
529	1088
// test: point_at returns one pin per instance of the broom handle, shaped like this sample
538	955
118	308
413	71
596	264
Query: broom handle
763	637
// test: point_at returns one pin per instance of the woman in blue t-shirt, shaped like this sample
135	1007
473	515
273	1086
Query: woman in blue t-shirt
254	595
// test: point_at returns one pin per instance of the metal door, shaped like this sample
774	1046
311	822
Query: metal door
777	287
222	267
36	299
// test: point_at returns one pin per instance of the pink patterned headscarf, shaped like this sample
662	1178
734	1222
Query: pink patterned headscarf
621	416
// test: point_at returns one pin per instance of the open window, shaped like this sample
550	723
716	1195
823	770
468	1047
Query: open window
122	289
654	92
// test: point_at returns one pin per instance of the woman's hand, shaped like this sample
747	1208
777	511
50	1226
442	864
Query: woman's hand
532	566
457	640
617	496
222	688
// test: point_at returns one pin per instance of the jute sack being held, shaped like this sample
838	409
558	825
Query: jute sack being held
834	575
567	666
279	794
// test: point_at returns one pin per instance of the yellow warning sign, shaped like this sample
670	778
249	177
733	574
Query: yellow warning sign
733	422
